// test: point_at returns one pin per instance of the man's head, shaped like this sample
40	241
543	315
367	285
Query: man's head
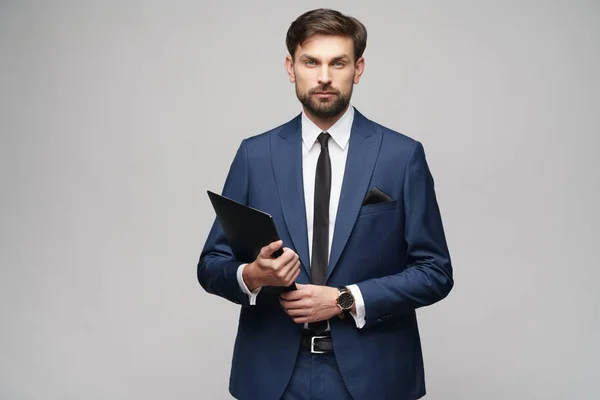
325	60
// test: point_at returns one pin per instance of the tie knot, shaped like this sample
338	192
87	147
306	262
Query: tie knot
323	138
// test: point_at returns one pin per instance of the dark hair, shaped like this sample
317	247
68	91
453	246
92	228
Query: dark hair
325	21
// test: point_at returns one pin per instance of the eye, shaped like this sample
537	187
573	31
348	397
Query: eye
309	63
339	64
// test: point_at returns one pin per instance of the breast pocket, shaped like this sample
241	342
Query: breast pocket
378	207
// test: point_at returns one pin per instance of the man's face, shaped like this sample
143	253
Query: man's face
324	73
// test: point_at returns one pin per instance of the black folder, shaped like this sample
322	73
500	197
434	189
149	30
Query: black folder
247	229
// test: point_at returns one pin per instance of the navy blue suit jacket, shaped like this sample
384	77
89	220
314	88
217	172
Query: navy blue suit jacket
395	251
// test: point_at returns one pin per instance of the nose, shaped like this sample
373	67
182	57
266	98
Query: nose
324	77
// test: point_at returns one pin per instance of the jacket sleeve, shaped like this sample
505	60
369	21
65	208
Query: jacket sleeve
217	267
427	277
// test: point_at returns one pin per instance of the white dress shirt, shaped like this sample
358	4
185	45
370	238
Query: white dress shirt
338	152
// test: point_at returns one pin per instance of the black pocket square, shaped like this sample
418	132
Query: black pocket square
375	196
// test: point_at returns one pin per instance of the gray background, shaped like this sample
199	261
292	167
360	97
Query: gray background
115	118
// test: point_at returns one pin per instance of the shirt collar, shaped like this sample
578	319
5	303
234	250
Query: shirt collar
340	131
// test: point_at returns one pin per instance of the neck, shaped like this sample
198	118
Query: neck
324	123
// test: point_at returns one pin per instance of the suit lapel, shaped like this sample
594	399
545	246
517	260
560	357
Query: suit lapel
362	154
286	151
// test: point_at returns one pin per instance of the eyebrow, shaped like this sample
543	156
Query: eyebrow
338	58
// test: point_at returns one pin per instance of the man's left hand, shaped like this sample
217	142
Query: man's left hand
310	303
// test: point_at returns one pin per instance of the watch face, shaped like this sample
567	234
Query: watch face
346	300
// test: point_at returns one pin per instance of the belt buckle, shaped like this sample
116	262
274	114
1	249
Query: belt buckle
312	344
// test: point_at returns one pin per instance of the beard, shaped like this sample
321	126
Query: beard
325	108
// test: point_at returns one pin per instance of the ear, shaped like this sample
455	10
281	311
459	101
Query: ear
289	66
359	68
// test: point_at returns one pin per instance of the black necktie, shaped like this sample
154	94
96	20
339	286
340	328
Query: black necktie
320	247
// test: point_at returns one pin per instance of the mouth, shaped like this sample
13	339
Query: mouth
324	94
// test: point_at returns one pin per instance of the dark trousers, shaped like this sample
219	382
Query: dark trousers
316	377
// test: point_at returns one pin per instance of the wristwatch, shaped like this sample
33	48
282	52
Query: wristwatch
345	299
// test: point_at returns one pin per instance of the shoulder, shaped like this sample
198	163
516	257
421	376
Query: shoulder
392	139
259	139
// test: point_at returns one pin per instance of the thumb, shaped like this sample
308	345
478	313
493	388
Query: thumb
268	250
300	286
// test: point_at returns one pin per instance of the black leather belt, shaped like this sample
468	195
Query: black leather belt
317	344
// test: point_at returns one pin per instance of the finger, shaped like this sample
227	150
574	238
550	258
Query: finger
301	286
284	271
302	291
291	280
293	270
280	262
294	305
294	277
285	306
293	295
289	256
292	310
300	313
303	320
268	250
286	262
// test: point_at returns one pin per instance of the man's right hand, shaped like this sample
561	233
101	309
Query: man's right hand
269	271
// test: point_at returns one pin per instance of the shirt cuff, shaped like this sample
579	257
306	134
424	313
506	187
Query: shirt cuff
360	315
251	295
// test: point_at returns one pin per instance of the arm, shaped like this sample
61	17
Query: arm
428	274
358	310
218	271
217	267
252	295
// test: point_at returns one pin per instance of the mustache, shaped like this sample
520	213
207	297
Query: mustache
320	89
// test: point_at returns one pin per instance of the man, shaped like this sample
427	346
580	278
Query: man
355	207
